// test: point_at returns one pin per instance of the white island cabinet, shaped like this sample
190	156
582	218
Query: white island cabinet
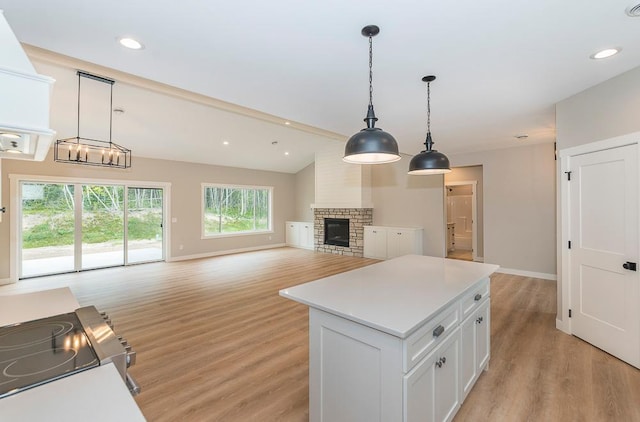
388	342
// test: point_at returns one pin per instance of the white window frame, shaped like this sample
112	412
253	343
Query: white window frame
204	186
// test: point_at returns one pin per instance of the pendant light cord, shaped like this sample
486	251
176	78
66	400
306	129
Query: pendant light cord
370	70
428	107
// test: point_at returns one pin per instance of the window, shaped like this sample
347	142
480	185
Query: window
229	210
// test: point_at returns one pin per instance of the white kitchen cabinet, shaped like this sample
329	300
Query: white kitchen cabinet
475	342
299	234
396	357
431	389
382	242
375	242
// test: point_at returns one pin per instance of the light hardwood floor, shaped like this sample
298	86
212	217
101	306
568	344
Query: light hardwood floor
215	342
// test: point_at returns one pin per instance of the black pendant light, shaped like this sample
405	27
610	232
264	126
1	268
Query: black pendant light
429	161
371	145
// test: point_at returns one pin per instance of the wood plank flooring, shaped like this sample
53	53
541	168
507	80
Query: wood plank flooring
215	342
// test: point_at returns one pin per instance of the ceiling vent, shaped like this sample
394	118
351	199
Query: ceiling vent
633	11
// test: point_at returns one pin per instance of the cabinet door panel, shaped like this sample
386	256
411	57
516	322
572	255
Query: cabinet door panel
419	387
431	389
375	243
483	335
468	363
292	233
447	378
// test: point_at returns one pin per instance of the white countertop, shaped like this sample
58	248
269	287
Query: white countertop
15	308
394	296
97	395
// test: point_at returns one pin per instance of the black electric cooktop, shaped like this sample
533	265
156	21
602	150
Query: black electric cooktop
35	352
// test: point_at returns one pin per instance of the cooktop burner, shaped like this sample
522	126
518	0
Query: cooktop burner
36	352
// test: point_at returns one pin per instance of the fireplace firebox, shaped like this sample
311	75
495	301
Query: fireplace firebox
336	231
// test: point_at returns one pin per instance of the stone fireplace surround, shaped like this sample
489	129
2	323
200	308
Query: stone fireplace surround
358	218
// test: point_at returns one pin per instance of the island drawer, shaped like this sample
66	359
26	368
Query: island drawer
472	300
419	344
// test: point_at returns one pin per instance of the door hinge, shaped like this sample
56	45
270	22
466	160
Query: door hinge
569	244
569	313
568	173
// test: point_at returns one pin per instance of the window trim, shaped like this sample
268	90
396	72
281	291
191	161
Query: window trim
204	236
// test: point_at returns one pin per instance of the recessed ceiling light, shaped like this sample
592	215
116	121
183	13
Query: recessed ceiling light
10	135
633	11
225	143
130	43
603	54
287	123
286	153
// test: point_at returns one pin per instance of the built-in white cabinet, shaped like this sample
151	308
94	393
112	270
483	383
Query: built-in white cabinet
475	338
381	242
299	234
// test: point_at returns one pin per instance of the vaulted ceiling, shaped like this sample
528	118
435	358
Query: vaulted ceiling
500	66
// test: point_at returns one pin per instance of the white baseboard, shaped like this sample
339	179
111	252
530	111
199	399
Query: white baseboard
4	281
544	276
563	326
226	252
479	259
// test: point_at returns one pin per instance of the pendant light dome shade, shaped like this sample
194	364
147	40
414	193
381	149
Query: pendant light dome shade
371	145
429	161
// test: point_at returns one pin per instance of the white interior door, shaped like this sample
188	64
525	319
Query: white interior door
605	297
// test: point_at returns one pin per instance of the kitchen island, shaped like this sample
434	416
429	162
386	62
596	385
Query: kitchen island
401	340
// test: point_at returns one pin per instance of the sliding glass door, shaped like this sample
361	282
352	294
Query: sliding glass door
102	226
75	227
47	227
144	225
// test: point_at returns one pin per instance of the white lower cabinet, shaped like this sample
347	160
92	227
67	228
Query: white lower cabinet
382	242
475	345
299	234
431	389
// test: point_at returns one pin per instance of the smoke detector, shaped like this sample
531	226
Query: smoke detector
633	11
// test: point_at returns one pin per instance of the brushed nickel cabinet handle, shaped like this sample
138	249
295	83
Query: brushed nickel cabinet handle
477	297
438	331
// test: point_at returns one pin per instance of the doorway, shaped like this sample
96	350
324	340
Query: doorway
461	226
66	227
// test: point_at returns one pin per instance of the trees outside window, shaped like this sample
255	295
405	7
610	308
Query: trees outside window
236	209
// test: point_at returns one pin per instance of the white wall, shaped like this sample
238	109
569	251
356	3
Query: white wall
305	193
604	111
519	207
410	201
340	184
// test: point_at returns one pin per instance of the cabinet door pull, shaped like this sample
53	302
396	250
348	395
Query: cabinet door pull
441	362
477	297
479	320
438	331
